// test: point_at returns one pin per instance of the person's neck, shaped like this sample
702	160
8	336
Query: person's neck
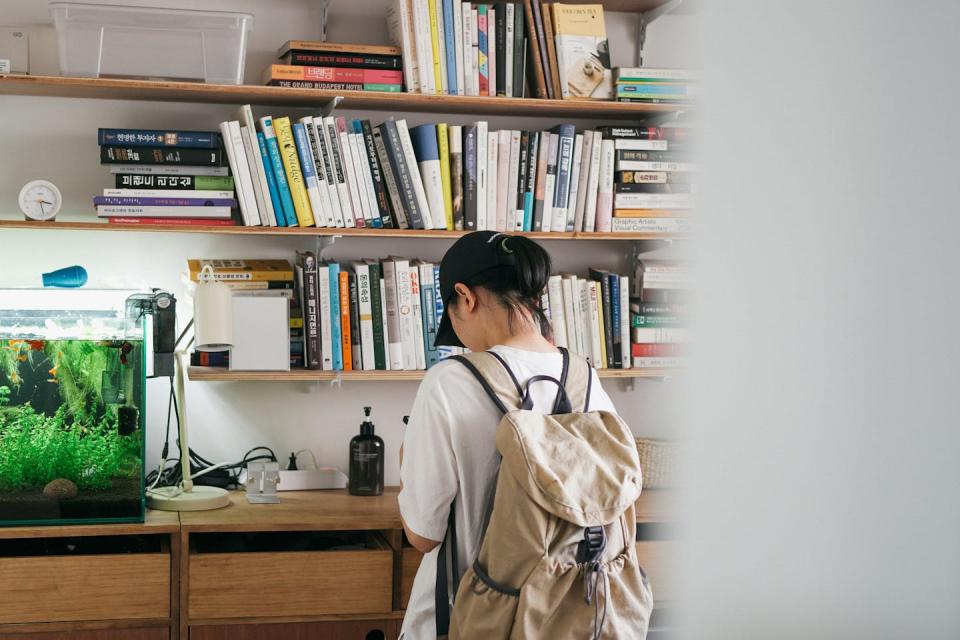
525	340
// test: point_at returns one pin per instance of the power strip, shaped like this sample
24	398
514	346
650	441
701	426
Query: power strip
307	479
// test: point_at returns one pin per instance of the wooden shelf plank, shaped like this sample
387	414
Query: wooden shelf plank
312	231
168	91
221	374
156	522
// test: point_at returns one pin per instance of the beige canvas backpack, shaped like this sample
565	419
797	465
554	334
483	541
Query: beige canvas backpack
557	556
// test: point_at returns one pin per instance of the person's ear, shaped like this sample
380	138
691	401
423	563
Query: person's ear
467	299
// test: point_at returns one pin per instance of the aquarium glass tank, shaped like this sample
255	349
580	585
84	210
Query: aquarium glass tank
72	384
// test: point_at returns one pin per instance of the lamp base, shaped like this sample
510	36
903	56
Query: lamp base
200	498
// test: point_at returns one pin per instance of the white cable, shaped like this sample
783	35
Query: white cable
296	456
209	469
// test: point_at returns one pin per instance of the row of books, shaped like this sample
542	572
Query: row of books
162	196
308	64
528	48
650	85
659	314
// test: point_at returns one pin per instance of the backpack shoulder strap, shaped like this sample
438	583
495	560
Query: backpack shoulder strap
578	382
495	376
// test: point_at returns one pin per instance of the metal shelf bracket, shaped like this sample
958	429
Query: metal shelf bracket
644	19
324	13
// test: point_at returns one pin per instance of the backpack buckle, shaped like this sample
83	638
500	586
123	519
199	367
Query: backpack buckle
593	543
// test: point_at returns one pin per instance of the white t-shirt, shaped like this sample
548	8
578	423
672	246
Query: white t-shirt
449	452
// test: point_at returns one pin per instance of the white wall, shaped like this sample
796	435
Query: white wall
56	139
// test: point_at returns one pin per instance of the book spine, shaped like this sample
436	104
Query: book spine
492	50
305	154
421	25
615	320
248	128
382	87
652	201
592	313
130	211
271	180
469	37
659	335
172	169
492	173
346	343
500	47
575	170
204	196
291	164
450	47
400	27
549	192
427	311
390	179
165	201
416	318
513	199
519	49
580	331
332	74
551	40
361	172
326	319
640	165
345	60
356	348
280	174
482	177
470	195
657	349
509	24
605	309
523	166
561	197
331	137
443	146
157	155
584	188
640	144
457	176
654	321
376	176
336	327
325	163
503	206
475	49
651	225
404	178
377	325
484	70
540	181
435	47
424	140
185	183
458	45
605	188
311	311
319	199
411	159
557	320
623	183
156	138
335	47
186	222
253	180
394	337
538	48
404	311
349	171
442	352
533	175
566	288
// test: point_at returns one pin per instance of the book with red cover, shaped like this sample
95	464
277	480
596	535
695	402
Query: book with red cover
345	340
187	222
657	350
332	74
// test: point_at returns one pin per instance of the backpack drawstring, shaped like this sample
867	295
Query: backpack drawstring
595	573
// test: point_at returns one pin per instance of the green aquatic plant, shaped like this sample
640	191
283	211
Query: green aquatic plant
35	449
12	353
78	367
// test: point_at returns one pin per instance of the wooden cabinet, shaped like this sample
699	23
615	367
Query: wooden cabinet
127	633
330	630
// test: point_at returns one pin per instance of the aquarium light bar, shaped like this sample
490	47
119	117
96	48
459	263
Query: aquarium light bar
65	299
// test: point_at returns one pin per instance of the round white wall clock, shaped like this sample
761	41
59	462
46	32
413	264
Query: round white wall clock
40	200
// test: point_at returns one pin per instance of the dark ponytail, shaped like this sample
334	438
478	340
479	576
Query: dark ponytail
518	287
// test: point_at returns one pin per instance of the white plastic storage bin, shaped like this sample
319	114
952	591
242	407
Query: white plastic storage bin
101	40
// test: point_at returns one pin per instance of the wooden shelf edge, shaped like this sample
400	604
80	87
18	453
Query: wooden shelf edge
220	374
333	617
317	232
169	91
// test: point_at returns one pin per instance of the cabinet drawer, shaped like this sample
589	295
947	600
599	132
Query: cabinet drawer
339	630
656	557
410	560
85	587
291	583
133	633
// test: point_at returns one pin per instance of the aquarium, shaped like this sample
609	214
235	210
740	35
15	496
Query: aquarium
72	384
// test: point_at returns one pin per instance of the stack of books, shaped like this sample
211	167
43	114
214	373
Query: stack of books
307	64
328	171
590	316
654	181
165	177
658	314
253	277
512	49
645	84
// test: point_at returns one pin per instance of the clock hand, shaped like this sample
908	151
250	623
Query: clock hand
44	202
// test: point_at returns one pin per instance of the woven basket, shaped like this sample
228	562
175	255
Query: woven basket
659	460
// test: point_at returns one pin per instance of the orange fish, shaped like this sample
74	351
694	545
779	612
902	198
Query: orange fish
53	372
22	357
15	378
36	345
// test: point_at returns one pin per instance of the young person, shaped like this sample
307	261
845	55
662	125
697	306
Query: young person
491	285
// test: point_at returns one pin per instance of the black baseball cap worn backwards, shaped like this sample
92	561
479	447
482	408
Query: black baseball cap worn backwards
469	256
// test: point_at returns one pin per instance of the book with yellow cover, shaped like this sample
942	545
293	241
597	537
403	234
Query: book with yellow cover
229	270
337	47
435	46
291	166
583	52
443	144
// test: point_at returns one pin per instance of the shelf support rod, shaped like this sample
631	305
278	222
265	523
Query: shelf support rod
331	105
644	19
324	13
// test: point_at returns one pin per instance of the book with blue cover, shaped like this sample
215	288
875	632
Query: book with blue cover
561	194
449	34
158	138
336	334
283	187
271	180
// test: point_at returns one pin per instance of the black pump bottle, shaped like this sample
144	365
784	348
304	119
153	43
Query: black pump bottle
366	460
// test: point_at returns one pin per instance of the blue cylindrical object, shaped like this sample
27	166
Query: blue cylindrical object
68	277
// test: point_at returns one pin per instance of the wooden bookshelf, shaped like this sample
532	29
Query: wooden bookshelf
314	231
168	91
221	374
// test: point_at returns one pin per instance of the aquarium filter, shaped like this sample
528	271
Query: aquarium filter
162	308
